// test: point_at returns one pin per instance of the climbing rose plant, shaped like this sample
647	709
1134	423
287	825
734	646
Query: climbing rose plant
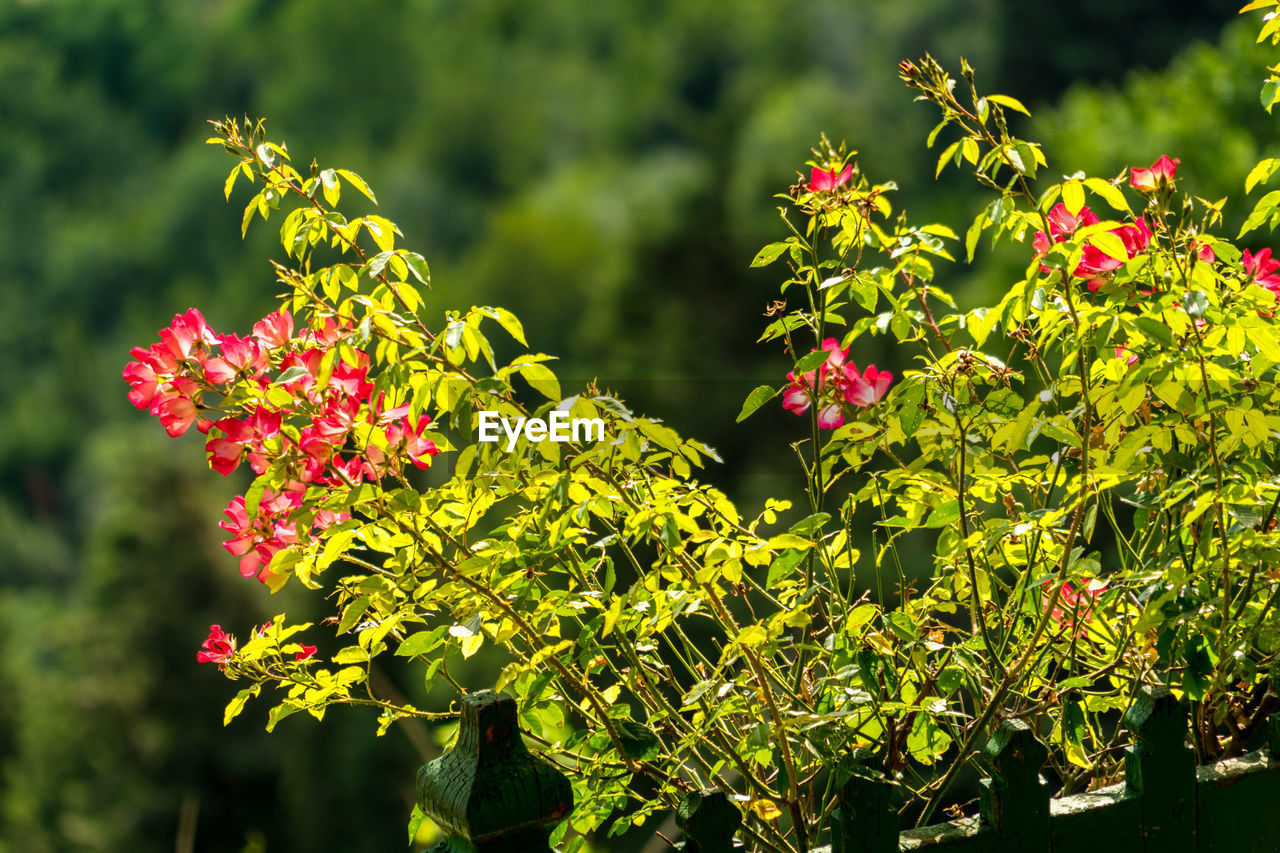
1090	462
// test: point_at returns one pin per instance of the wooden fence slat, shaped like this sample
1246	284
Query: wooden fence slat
864	819
1161	769
1014	802
708	821
489	793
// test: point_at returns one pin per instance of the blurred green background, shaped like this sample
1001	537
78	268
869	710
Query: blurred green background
605	170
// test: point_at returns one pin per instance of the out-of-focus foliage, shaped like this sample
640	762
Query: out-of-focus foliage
590	165
1203	108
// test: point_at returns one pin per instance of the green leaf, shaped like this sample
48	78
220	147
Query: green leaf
769	254
755	400
949	151
278	713
1011	103
1110	244
944	515
974	234
332	189
266	155
1262	211
377	264
511	323
236	705
1261	173
1154	329
811	361
1269	94
1196	302
292	374
637	741
418	266
421	642
542	380
416	818
1073	196
670	532
352	613
358	182
911	407
1108	193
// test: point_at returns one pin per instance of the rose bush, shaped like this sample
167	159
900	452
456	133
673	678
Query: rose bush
1091	462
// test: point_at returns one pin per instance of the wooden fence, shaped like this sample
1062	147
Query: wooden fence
489	793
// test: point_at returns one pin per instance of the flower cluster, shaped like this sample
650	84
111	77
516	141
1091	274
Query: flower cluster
287	402
835	384
1094	263
219	647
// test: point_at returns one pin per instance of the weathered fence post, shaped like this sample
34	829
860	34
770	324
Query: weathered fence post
708	821
489	793
864	819
1014	802
1161	769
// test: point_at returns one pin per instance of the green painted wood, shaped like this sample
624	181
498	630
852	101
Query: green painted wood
489	793
708	821
1106	819
966	835
1160	769
1014	802
864	819
1273	736
1237	806
1237	811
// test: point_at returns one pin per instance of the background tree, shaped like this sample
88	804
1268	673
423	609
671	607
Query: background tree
592	166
